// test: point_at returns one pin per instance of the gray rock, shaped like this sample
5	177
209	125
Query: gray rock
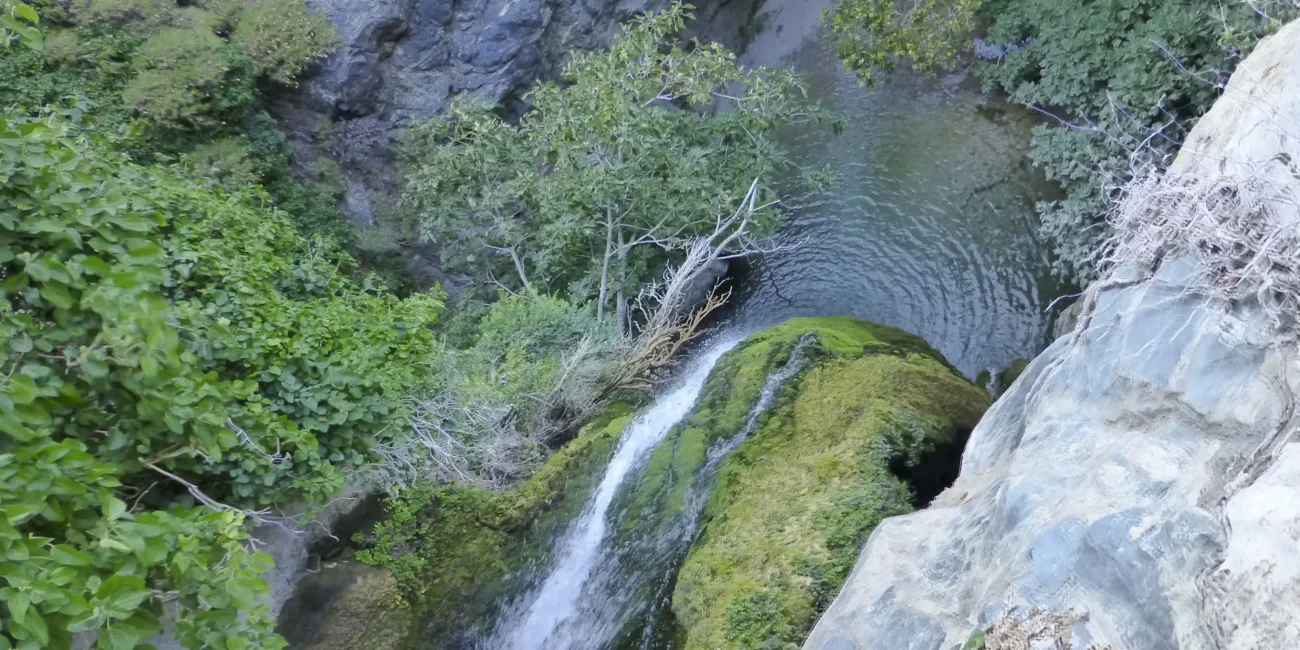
1140	470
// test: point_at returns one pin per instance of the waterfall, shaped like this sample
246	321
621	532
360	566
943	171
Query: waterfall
556	601
593	591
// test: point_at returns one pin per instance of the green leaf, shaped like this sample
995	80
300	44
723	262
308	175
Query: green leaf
18	606
58	295
113	507
116	638
69	556
26	13
22	390
245	591
123	593
86	622
35	624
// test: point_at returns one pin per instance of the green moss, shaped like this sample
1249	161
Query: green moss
452	548
763	567
1012	372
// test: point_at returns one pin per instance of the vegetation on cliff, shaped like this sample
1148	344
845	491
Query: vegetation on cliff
175	361
1120	82
610	172
840	447
452	547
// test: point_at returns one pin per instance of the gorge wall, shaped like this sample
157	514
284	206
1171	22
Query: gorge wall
1136	488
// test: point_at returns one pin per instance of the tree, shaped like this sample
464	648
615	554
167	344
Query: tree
871	36
609	172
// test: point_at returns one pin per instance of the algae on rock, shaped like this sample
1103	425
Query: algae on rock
794	503
456	550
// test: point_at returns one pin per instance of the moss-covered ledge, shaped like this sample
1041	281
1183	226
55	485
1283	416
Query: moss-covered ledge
838	453
455	551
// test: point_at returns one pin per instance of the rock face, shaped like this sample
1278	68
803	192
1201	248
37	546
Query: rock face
404	59
1137	487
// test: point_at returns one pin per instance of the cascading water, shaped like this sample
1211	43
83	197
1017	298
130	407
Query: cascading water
555	602
594	591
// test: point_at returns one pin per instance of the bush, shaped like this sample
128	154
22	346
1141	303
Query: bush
141	17
185	81
534	373
872	35
227	162
283	37
169	356
1132	74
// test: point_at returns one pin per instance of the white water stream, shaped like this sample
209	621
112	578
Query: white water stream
556	601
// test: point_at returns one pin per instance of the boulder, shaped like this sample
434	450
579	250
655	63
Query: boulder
1136	488
865	428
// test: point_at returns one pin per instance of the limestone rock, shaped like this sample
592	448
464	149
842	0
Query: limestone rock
1139	474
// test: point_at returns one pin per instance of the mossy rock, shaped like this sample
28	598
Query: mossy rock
1012	372
456	550
347	605
793	505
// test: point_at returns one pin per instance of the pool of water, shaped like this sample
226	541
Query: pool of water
932	225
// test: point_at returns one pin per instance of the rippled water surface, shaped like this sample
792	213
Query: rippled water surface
931	228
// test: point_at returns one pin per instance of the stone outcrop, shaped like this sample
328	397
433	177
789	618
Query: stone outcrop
1138	487
404	59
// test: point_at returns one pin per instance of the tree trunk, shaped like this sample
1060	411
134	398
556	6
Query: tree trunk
621	316
604	270
519	266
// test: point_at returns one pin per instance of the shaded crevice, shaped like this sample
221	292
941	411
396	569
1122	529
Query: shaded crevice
933	471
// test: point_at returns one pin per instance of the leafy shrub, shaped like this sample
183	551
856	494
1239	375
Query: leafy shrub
758	621
141	17
1131	75
283	37
96	381
161	345
872	35
62	47
605	159
187	78
228	162
534	373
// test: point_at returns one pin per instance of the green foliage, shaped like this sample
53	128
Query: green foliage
227	161
19	24
152	332
1133	75
451	548
871	36
606	156
188	78
172	63
756	622
283	37
141	17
